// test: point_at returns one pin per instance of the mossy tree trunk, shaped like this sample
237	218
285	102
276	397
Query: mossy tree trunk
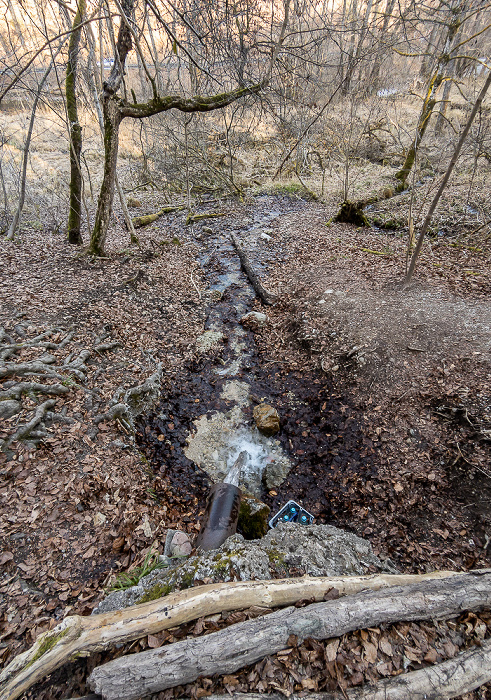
75	210
457	10
116	109
423	121
112	120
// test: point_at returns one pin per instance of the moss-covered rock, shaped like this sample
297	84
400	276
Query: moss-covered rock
287	550
253	518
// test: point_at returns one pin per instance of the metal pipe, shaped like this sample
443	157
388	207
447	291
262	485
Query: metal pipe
222	509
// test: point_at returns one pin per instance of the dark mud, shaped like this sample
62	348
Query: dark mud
343	472
320	432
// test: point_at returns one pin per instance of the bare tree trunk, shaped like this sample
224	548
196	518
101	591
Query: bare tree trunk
446	177
453	29
75	130
131	677
112	120
377	64
92	73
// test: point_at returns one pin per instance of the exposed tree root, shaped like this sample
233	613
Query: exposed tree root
27	430
76	635
450	679
265	296
30	388
126	405
43	367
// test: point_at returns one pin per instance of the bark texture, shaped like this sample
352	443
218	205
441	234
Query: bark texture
265	296
245	643
77	635
450	679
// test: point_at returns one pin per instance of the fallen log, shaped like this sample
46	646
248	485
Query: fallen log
145	220
450	679
224	652
81	636
193	218
265	296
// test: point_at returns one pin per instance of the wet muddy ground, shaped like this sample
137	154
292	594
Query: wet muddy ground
343	472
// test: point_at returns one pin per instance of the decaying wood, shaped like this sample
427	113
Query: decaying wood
449	679
230	649
193	218
265	296
139	221
81	636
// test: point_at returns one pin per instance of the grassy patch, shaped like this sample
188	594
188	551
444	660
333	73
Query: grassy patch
127	579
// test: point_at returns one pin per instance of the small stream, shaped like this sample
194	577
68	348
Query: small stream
206	421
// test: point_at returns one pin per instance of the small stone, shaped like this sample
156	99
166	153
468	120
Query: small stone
207	229
47	358
180	545
99	519
132	202
254	318
267	419
265	237
209	340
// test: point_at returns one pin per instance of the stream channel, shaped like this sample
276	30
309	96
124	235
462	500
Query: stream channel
205	420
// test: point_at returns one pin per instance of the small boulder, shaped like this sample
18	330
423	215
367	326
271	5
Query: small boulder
9	408
267	419
132	202
207	229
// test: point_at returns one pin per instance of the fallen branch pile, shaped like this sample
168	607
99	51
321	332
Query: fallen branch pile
440	593
224	652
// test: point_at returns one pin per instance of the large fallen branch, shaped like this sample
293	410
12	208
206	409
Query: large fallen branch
449	679
224	652
76	635
265	296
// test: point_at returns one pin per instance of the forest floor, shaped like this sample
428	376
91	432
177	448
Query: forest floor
391	428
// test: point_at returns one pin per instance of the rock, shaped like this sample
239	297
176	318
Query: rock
265	237
209	340
180	545
287	551
9	408
234	390
253	518
217	441
254	319
132	202
267	419
207	229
